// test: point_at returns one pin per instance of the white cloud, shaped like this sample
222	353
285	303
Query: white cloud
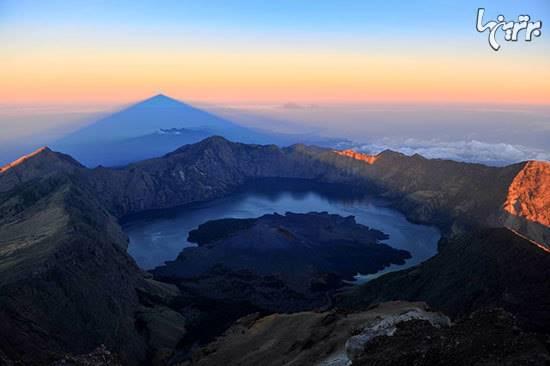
465	150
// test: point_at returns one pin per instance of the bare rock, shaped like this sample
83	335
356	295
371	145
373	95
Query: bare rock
387	326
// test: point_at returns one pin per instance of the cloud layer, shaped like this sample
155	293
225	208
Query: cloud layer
464	150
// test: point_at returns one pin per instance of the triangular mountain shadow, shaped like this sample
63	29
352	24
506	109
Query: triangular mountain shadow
150	128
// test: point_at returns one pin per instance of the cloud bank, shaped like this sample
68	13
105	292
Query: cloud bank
464	150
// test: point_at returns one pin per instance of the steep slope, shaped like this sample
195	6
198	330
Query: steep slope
395	333
488	268
209	169
66	282
430	190
529	193
459	196
435	191
46	227
527	206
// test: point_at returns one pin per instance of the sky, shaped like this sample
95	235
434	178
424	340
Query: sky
65	62
265	51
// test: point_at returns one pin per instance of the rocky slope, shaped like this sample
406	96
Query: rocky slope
529	193
487	268
487	337
306	338
449	194
99	357
460	196
527	206
210	169
66	282
396	333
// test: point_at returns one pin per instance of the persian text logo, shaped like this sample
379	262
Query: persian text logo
511	29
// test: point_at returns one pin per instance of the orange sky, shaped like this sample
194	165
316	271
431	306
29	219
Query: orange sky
245	51
104	76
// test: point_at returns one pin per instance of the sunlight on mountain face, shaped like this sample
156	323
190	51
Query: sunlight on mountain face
369	159
529	193
22	159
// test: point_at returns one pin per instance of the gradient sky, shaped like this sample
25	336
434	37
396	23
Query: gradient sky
113	52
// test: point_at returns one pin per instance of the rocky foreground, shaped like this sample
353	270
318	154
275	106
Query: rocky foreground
395	333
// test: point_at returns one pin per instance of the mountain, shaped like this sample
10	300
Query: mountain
491	267
136	133
527	206
67	284
393	333
66	281
451	195
459	196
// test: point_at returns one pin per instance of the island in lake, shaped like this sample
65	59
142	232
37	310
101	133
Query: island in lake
278	262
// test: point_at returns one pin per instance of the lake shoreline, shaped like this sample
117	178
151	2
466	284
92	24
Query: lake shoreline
159	236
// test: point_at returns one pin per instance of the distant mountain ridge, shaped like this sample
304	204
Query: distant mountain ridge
66	281
449	194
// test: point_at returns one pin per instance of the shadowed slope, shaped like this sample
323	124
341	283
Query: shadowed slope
66	282
492	267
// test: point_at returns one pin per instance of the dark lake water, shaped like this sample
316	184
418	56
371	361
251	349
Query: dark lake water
159	236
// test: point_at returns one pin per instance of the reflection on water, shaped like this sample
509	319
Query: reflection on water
156	237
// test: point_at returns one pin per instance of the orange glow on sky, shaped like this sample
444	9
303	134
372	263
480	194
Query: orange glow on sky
241	51
78	76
